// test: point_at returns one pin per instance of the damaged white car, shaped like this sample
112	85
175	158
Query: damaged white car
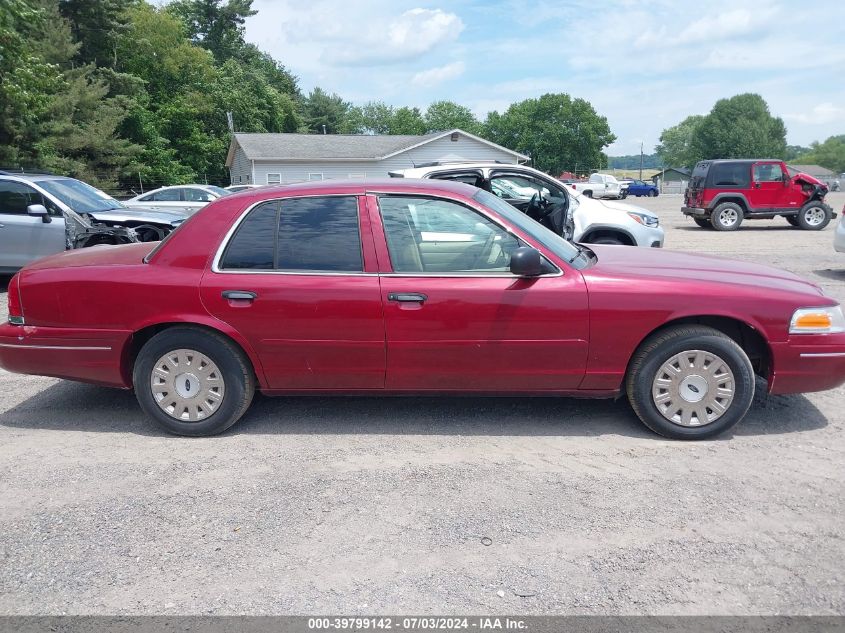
43	214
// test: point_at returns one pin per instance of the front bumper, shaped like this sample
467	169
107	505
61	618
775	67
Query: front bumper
696	212
649	236
93	356
805	363
839	236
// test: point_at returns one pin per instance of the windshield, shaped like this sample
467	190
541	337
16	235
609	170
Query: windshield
554	242
78	196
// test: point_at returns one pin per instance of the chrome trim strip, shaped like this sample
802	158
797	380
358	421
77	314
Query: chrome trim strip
823	355
215	264
61	347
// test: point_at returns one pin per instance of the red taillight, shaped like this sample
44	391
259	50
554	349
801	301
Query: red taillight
15	307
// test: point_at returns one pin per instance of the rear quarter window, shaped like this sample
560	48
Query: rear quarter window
730	175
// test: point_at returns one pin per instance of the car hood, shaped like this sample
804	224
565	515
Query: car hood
141	214
624	206
625	264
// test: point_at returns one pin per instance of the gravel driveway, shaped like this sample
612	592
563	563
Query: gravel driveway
430	505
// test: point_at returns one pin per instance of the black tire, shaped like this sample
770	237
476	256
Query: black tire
792	219
727	216
652	193
704	223
814	216
608	240
236	373
588	193
647	364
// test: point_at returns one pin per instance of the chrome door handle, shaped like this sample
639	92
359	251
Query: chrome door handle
407	297
239	295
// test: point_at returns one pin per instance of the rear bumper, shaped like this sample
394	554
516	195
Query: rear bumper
85	355
808	363
697	212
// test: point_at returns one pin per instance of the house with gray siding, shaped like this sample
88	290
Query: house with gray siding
268	159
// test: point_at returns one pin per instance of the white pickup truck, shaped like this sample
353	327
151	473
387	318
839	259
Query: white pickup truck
601	186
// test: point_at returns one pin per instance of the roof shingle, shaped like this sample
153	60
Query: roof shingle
267	146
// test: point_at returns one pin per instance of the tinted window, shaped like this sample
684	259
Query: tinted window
319	234
166	195
251	247
15	197
730	175
198	195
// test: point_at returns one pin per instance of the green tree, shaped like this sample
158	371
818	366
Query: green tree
739	127
374	117
558	132
323	109
794	151
96	26
448	115
27	81
830	154
675	148
216	25
407	121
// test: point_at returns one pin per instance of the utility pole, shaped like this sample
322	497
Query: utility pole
641	160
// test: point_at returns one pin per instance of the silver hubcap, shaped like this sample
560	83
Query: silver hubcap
728	217
814	216
693	388
187	385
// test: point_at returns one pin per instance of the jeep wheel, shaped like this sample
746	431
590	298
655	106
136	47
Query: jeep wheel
792	219
727	216
814	216
704	223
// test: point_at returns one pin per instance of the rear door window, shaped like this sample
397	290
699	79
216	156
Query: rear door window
731	175
319	234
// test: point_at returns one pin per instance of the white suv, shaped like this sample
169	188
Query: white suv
550	202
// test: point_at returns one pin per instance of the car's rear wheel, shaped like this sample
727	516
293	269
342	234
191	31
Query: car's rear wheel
792	219
192	381
814	216
690	382
727	216
704	223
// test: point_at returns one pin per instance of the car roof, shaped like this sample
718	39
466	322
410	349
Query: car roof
743	160
359	187
33	177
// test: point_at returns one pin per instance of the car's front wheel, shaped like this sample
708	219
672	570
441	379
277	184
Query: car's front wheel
652	193
690	382
727	216
814	216
193	381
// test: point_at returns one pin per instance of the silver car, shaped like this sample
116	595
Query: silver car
839	235
185	198
43	214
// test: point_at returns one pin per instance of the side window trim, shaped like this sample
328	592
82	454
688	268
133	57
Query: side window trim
216	262
377	196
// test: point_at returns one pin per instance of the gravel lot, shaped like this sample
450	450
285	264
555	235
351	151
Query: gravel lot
380	506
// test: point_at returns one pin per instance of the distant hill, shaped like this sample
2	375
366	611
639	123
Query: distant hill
650	161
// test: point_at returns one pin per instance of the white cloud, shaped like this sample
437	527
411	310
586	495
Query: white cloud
821	114
434	76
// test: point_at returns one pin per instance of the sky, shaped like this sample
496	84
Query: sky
645	64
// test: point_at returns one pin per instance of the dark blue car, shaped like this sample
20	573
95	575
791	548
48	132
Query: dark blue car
640	188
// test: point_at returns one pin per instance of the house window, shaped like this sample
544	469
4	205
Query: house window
358	176
274	179
315	176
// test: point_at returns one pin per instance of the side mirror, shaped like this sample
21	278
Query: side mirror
39	211
526	262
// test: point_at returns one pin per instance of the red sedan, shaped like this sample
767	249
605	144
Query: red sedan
402	286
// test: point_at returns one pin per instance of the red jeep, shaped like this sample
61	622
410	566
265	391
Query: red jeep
722	193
